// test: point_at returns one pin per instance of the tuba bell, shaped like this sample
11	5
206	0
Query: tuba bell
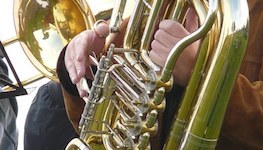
128	91
43	28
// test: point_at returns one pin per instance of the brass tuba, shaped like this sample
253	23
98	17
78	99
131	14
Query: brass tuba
43	28
128	91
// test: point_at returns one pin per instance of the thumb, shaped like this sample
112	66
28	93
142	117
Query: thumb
101	31
101	28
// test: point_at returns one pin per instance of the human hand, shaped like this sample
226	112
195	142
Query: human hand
168	34
78	50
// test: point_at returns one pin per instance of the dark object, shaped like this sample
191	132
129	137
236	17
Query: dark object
47	126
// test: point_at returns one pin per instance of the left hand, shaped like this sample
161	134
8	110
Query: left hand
78	50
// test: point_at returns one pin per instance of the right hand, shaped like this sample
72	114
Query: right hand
170	32
78	50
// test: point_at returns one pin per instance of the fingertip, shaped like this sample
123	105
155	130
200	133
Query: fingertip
79	72
168	23
101	28
74	79
82	93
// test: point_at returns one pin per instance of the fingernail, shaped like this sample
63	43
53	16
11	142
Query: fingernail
73	80
78	72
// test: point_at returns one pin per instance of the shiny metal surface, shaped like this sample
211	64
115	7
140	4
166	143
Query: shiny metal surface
129	90
45	27
200	116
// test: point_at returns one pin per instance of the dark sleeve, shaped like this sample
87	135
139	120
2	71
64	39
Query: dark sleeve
73	103
63	75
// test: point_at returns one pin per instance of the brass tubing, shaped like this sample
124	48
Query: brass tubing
10	41
220	79
133	35
148	34
182	44
215	88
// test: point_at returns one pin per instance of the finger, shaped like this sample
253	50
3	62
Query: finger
158	53
174	28
87	42
156	58
72	72
159	48
82	93
165	38
69	62
82	51
101	28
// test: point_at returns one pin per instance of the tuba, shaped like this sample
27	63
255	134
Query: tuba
128	91
43	28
